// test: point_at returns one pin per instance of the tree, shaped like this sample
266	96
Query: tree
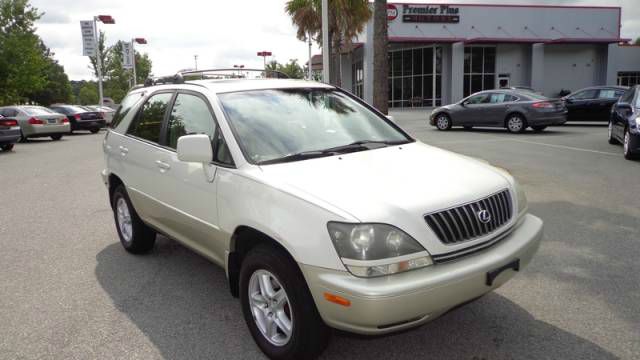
88	94
347	18
380	57
104	54
143	67
637	42
21	60
292	69
57	88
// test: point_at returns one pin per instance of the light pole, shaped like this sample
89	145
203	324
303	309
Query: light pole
309	70
239	67
264	55
195	57
105	19
326	75
141	41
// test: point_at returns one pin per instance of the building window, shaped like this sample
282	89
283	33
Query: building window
628	78
357	79
415	77
479	69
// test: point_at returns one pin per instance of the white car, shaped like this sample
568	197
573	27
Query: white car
107	112
323	212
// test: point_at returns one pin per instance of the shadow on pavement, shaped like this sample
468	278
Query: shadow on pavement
181	302
550	131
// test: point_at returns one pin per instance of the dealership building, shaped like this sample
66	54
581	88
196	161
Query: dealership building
441	53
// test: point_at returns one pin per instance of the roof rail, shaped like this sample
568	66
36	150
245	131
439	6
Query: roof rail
217	74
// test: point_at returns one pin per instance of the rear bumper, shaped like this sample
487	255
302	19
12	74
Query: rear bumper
10	136
88	124
546	120
388	304
44	130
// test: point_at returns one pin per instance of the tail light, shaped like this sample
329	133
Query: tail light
543	105
65	121
77	117
35	121
8	123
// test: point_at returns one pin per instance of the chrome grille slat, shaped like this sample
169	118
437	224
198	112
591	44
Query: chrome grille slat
462	223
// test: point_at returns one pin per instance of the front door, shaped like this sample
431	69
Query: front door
475	111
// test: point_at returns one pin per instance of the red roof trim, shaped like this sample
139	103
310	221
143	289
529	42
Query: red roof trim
517	6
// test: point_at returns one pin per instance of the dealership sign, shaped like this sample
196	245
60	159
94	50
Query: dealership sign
430	13
88	38
127	56
392	12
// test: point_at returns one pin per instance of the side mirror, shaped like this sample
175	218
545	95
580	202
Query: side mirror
391	118
195	148
463	103
568	100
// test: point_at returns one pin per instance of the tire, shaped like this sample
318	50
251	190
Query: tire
56	137
308	335
22	138
630	142
7	147
516	123
94	131
468	128
612	140
443	122
539	128
135	236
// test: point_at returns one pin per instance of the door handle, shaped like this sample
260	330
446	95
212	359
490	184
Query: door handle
163	165
123	150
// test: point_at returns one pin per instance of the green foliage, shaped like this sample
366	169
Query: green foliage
88	94
143	67
637	42
292	69
57	88
22	62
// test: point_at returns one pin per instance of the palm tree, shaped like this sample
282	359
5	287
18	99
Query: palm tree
347	18
380	57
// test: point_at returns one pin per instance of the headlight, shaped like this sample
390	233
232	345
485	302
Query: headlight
369	250
521	198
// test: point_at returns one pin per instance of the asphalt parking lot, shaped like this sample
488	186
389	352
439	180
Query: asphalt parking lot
69	291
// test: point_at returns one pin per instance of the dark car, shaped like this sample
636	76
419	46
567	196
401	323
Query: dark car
592	103
9	133
81	118
514	110
624	123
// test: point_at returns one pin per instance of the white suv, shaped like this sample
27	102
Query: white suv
323	212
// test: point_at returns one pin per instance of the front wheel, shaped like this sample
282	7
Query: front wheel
538	128
443	122
630	144
94	131
7	147
278	307
516	123
56	137
135	236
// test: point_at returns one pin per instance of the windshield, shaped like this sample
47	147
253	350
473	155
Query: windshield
278	123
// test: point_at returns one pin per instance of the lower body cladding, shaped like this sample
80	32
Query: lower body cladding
30	130
96	124
10	135
392	303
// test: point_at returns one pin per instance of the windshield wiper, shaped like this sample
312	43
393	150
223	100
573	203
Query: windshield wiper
352	147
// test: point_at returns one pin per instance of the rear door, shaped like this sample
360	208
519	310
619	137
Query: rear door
620	115
604	102
581	104
496	110
192	199
138	151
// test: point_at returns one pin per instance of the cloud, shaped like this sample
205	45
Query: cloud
55	17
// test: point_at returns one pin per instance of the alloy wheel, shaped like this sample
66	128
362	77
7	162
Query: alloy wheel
610	130
627	139
270	307
515	124
442	122
124	219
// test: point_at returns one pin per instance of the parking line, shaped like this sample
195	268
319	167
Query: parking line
567	147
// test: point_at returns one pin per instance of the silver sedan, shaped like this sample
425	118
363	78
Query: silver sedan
37	121
514	110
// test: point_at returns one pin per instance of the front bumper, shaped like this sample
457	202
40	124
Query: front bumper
44	130
392	303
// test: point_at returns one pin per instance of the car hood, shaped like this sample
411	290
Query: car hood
395	185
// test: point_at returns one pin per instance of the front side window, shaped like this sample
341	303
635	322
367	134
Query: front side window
627	98
274	125
478	99
127	103
148	123
190	115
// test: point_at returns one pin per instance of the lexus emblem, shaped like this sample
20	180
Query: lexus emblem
484	216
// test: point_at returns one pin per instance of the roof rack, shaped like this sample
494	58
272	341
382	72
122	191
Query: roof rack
215	74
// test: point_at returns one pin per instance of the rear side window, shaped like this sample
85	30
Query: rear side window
497	98
585	95
190	115
148	123
127	103
608	94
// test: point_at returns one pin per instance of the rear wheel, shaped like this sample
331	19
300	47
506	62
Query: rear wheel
443	122
22	137
136	237
7	147
630	144
612	140
278	307
56	137
516	123
538	128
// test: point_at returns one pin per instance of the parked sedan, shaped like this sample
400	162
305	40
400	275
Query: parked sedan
37	121
81	119
107	112
592	103
624	123
514	110
9	133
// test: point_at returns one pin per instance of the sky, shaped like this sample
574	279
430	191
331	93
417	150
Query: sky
221	33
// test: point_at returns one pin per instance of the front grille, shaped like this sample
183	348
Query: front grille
463	223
